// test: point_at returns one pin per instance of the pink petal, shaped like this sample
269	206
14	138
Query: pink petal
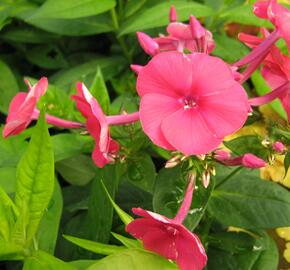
187	132
283	22
226	112
153	109
179	30
99	158
205	78
15	104
191	254
140	226
154	216
168	74
21	119
286	103
161	242
273	75
38	89
81	103
149	45
261	9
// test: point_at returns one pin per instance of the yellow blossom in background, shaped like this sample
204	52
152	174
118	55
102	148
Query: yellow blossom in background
284	233
286	253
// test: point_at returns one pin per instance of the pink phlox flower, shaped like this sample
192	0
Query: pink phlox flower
97	125
22	107
168	237
277	14
186	105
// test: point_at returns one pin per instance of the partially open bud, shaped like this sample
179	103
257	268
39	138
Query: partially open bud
173	162
252	161
150	46
196	28
278	147
205	178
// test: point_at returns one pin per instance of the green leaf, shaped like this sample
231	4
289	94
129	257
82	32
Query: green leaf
141	171
246	201
8	179
41	260
100	210
169	193
70	9
244	15
133	259
126	218
35	179
287	162
69	145
247	144
8	86
47	56
157	15
109	65
127	242
10	251
82	264
95	247
8	215
78	170
27	34
47	233
262	88
100	92
73	27
11	150
229	49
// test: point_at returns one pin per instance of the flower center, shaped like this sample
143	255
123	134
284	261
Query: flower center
188	103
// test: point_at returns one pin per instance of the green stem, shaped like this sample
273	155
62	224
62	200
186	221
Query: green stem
229	176
120	38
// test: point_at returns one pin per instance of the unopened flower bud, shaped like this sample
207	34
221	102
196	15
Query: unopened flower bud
172	14
150	46
252	161
265	142
221	155
205	178
196	28
278	147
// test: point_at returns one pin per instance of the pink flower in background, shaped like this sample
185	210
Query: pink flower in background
186	105
168	237
22	107
98	125
193	37
276	72
277	14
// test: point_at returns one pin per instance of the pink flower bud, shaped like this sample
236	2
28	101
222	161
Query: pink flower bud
252	161
150	46
278	147
196	28
172	14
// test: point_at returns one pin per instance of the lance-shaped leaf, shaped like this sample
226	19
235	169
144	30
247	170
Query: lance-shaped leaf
95	247
35	182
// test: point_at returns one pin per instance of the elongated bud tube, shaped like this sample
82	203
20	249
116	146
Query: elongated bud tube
172	14
148	44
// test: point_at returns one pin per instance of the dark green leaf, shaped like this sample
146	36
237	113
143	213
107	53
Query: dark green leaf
287	162
48	229
71	9
169	192
8	86
157	15
246	201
